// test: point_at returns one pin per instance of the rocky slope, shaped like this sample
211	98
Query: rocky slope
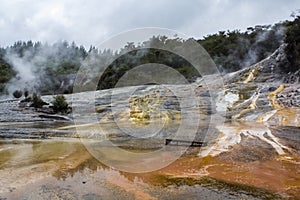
262	92
250	123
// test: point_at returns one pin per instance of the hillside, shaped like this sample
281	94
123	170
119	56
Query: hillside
51	69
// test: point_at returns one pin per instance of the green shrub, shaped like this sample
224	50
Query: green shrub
17	94
37	102
68	90
26	93
60	104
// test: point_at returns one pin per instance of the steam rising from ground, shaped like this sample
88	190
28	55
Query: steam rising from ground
25	78
37	65
262	37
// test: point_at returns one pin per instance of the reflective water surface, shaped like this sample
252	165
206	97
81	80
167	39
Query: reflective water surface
62	168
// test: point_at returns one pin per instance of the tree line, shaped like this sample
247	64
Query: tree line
231	50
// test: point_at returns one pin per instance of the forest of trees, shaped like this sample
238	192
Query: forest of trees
231	50
293	46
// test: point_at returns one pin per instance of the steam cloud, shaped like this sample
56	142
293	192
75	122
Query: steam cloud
34	65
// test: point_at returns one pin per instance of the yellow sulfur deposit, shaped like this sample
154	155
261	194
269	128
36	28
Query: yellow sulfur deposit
280	115
148	106
284	117
272	96
251	76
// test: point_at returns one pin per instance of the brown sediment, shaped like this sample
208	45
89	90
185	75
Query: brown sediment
253	163
278	176
272	175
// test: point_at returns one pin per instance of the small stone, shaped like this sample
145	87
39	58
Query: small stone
271	89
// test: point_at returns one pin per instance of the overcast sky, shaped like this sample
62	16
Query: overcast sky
93	21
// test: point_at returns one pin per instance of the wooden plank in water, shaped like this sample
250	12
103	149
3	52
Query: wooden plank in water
172	142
